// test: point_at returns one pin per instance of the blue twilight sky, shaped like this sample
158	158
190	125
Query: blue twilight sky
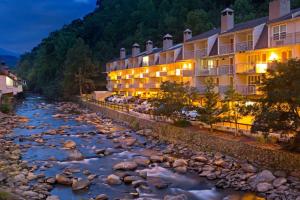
23	23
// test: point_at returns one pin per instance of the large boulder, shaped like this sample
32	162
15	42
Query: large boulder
63	180
125	166
113	180
264	176
279	181
75	155
80	184
69	144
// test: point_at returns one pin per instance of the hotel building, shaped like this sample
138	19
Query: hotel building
233	55
10	85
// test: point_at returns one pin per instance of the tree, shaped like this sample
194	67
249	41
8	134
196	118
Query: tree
244	10
172	98
211	112
198	21
235	104
279	109
79	70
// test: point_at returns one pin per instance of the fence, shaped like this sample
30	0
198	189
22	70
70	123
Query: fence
114	106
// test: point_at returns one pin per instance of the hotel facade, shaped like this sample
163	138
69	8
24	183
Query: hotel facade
234	55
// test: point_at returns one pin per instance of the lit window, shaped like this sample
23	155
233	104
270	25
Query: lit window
9	81
146	61
279	32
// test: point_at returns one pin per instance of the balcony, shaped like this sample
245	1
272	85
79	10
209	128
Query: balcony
152	85
226	49
250	68
189	54
285	39
225	70
137	85
244	46
208	72
187	73
247	89
201	53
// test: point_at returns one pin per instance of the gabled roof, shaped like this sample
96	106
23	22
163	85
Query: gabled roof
247	25
286	17
176	46
205	35
263	39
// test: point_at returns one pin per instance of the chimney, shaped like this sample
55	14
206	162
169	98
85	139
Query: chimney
168	41
135	49
227	20
187	34
279	8
122	53
149	46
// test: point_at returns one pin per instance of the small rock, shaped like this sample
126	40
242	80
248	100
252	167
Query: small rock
61	179
69	144
80	184
248	168
125	166
75	155
52	198
179	163
101	197
157	159
177	197
113	180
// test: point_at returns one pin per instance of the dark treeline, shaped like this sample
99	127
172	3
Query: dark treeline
75	55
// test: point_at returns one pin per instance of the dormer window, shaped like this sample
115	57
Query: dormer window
279	32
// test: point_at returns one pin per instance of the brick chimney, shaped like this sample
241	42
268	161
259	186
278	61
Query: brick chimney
122	53
279	8
227	20
149	46
135	49
187	34
167	42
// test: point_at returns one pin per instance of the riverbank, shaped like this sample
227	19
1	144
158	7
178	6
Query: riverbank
230	172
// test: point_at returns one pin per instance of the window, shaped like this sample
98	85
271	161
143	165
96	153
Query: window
284	56
252	80
264	58
279	32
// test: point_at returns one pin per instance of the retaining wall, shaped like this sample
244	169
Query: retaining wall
203	141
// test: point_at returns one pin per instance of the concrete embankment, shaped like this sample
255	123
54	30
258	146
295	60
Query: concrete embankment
203	141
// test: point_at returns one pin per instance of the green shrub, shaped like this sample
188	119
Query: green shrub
5	108
182	123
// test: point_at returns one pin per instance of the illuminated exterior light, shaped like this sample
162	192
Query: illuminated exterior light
185	66
141	75
261	68
178	72
157	74
132	71
147	70
190	66
273	57
164	69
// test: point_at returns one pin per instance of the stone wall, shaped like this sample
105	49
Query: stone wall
202	141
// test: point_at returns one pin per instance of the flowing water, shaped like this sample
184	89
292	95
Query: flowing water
190	184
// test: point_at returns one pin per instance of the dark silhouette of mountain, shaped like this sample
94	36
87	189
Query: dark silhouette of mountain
10	61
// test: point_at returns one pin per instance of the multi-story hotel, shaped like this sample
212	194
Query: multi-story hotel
233	55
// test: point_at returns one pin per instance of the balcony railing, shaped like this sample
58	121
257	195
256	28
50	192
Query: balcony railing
225	70
245	68
187	73
152	85
201	53
244	46
226	49
189	54
247	89
208	72
289	38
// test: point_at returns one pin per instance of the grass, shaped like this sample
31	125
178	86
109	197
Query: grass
4	195
182	123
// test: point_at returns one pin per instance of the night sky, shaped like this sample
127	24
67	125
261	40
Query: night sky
25	22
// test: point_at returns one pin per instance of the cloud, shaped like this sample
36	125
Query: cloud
25	23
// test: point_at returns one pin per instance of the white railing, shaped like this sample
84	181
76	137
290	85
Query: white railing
285	39
244	46
225	70
245	68
247	89
226	49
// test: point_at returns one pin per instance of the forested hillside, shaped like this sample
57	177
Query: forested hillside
77	53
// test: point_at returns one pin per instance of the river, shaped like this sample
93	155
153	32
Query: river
51	159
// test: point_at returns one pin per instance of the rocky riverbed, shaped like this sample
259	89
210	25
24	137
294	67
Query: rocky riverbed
61	151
